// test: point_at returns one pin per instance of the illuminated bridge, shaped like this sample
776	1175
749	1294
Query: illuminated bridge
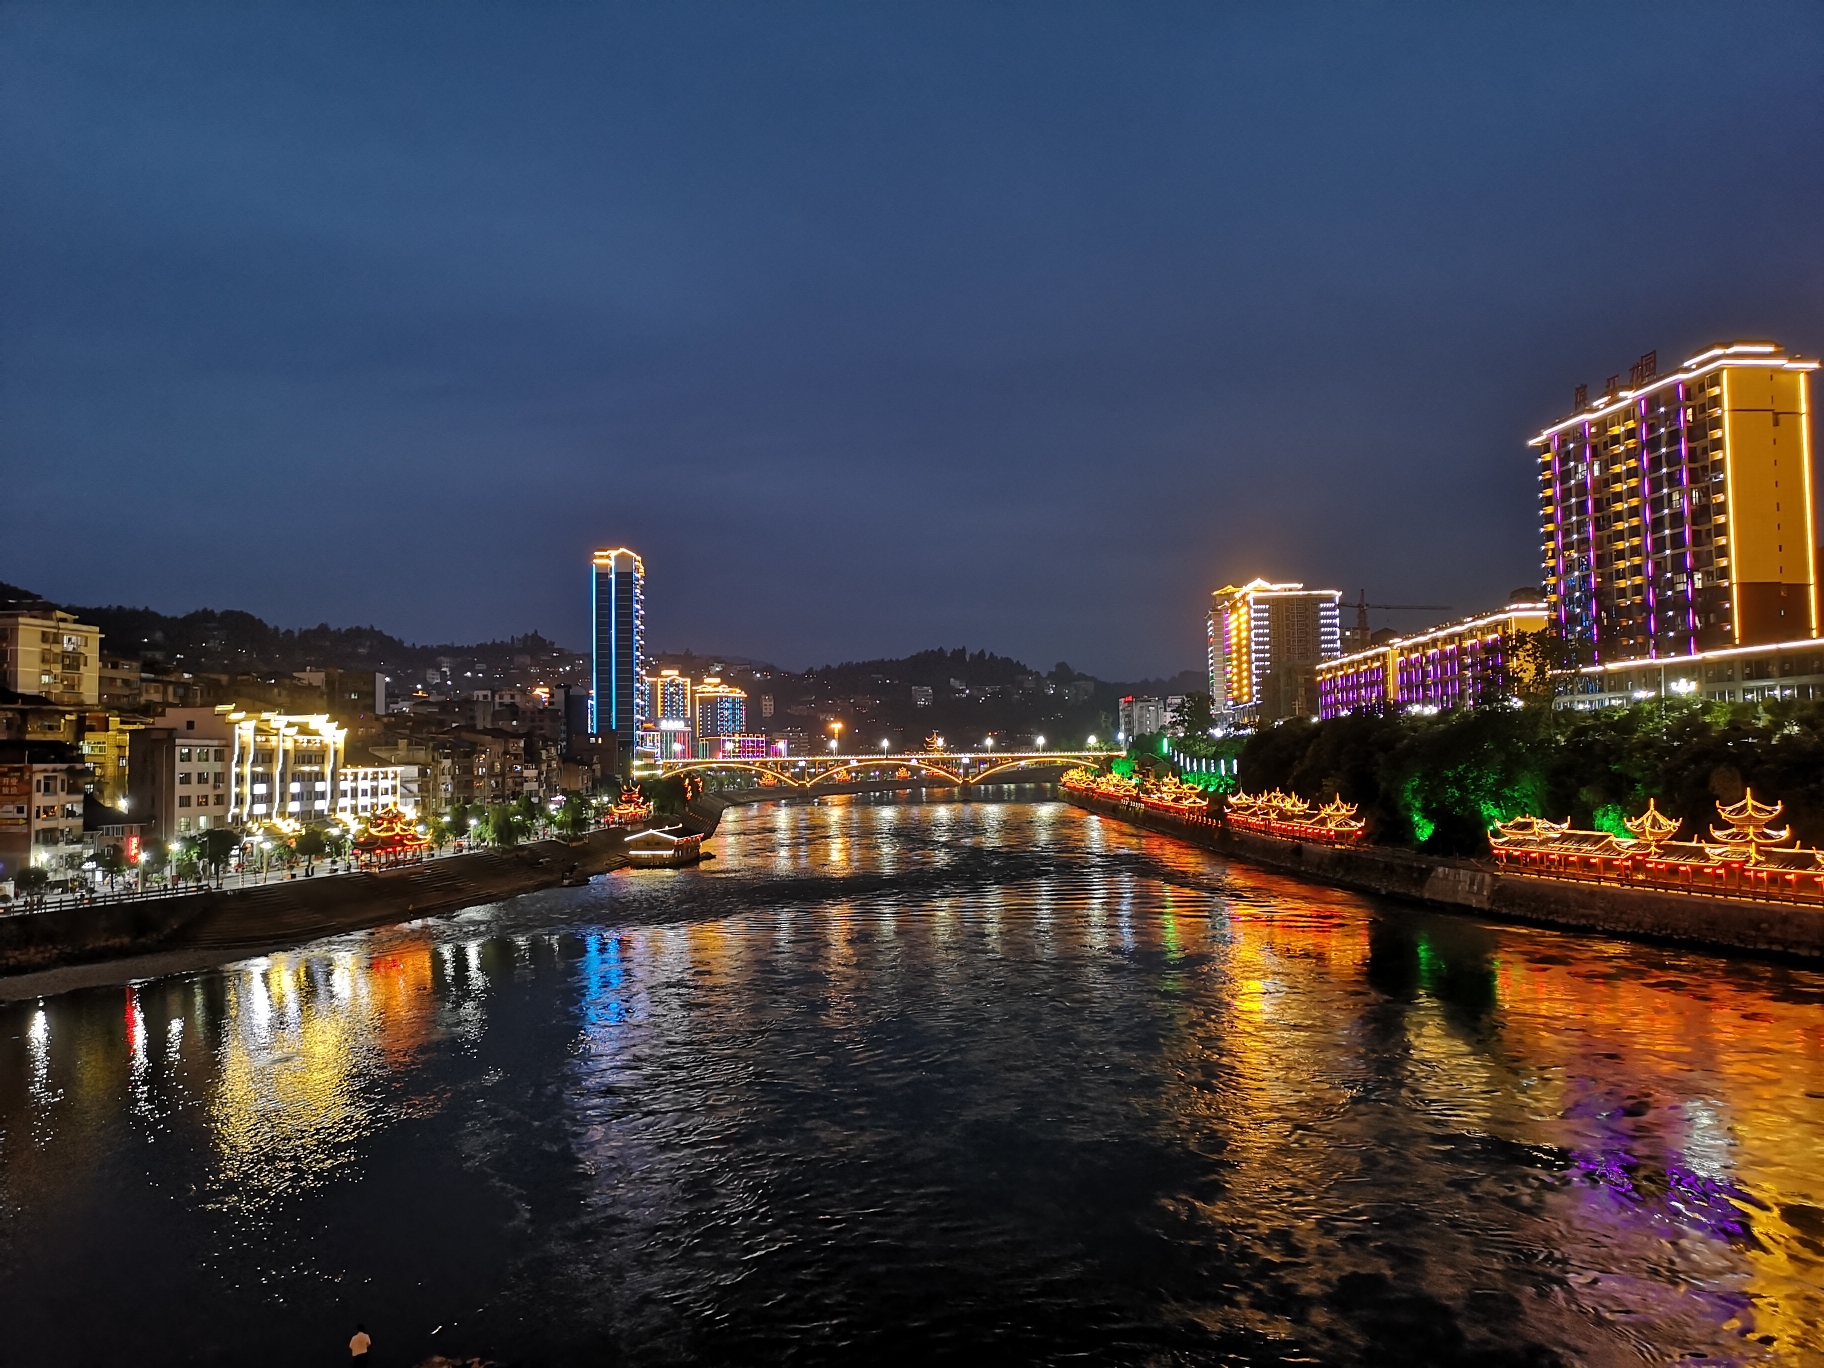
926	769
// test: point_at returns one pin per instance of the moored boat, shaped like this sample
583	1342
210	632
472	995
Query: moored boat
664	848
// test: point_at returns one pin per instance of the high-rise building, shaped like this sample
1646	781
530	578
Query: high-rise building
666	716
721	710
617	637
1676	510
1266	641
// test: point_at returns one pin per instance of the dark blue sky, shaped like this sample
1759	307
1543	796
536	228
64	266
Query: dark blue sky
872	328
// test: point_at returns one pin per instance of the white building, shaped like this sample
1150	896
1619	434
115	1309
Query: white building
362	790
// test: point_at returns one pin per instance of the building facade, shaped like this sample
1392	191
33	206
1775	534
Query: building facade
618	615
1740	674
50	653
719	709
1266	641
181	770
362	790
1137	716
1676	510
1456	665
733	746
41	791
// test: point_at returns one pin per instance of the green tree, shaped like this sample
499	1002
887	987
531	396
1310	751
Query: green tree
311	844
573	816
1193	719
1536	667
215	848
112	862
503	827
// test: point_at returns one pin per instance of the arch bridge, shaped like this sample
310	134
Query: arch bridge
925	769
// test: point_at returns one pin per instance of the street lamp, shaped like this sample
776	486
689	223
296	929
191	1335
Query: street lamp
885	746
1039	741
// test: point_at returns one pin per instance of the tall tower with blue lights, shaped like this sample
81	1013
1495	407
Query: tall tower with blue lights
617	587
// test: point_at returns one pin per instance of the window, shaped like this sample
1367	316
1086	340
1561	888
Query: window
183	776
183	755
183	800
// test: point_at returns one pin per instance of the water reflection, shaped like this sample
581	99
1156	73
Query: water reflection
891	1078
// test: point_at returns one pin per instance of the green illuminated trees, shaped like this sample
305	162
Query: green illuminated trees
1438	782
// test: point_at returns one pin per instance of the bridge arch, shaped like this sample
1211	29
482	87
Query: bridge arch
776	770
897	762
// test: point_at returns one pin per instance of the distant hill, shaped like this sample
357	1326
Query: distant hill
234	642
230	641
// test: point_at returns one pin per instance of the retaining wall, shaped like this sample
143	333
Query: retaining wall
299	909
1464	885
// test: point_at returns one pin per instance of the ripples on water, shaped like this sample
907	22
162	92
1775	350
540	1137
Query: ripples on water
897	1081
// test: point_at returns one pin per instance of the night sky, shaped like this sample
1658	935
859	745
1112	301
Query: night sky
872	328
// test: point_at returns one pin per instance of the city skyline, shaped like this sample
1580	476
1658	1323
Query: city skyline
1048	308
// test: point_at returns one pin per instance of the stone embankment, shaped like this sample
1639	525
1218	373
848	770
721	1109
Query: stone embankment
1466	886
296	910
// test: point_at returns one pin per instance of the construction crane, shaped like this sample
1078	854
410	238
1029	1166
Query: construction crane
1362	606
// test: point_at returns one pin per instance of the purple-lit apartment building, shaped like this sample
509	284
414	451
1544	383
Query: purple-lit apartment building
1446	667
1678	545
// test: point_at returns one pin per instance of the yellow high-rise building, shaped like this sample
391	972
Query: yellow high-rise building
1676	510
1266	641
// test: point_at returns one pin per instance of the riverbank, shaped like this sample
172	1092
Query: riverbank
210	922
1466	886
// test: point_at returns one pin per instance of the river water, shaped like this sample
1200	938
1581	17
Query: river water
909	1082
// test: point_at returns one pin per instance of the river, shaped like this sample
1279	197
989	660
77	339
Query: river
899	1081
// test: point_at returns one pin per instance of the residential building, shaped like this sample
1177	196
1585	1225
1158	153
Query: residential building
104	738
118	681
362	790
734	746
921	696
1737	674
1458	664
719	709
1676	510
416	764
41	792
48	652
790	741
667	718
617	615
1140	716
181	772
355	698
1266	641
33	717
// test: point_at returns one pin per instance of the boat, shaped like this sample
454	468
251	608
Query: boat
664	848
